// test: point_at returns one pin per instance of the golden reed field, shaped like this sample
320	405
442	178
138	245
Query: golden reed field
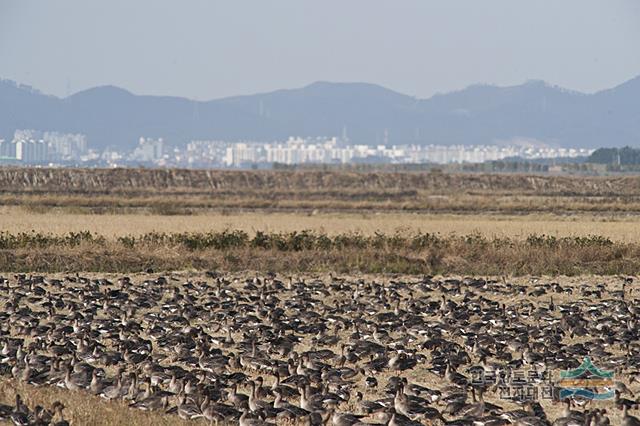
624	228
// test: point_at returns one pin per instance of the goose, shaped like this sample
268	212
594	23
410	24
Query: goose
41	416
284	390
246	420
623	402
214	413
189	388
431	395
174	386
113	391
260	391
308	403
622	388
237	399
281	404
186	410
369	407
343	419
454	377
530	421
5	411
529	357
75	383
152	402
57	409
20	414
20	418
569	417
396	419
475	409
97	385
412	408
371	382
255	403
600	418
627	419
132	389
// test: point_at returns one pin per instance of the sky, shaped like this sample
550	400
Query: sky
207	49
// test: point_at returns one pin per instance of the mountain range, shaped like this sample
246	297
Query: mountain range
534	112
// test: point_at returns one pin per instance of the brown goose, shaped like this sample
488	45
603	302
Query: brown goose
152	402
627	419
76	382
280	404
113	391
246	420
187	410
475	409
238	400
343	419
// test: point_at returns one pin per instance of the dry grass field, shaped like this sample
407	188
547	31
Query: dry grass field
616	227
84	409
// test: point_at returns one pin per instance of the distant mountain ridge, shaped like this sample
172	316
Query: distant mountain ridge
367	113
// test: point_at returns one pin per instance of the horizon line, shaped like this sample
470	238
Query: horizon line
317	82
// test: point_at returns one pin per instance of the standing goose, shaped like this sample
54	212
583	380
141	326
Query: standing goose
20	414
413	407
238	400
306	402
255	403
454	377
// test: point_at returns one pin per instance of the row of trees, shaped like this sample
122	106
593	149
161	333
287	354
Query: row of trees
616	156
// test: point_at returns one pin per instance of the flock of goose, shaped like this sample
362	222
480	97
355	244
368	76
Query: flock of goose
319	351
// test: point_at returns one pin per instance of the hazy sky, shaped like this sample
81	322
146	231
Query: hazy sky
206	49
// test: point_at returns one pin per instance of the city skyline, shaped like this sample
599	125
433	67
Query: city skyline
62	149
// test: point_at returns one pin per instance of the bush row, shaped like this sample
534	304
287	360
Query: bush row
295	241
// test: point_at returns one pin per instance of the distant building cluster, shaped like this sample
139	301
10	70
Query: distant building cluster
330	151
148	150
35	147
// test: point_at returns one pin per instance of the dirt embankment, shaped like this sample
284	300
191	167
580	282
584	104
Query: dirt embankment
108	180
